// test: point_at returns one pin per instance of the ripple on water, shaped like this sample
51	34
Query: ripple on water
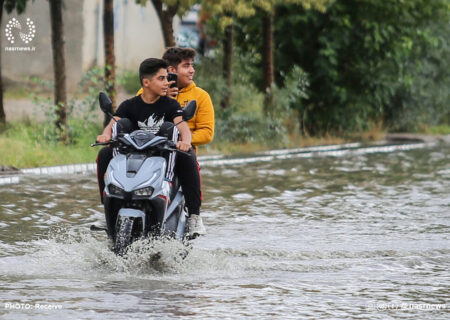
320	238
242	196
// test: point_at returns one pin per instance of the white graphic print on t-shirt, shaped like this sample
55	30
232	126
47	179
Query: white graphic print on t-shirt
152	124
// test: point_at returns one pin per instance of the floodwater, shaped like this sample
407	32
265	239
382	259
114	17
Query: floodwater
352	237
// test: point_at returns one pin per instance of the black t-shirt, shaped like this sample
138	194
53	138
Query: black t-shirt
149	116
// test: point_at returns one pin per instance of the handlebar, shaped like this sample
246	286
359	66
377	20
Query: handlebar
101	143
176	150
170	146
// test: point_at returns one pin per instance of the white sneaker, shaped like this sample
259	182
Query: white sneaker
195	226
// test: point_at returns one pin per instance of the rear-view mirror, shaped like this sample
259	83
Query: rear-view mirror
189	110
105	102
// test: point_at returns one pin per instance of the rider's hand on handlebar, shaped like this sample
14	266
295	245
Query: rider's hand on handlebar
183	146
172	92
103	138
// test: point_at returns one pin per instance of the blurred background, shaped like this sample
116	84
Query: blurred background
280	73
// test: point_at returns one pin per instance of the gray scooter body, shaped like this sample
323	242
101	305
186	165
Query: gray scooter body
128	173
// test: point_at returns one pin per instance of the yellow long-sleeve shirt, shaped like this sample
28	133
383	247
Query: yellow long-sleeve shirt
202	124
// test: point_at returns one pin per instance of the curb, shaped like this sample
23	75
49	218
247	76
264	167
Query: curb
15	176
71	168
9	180
336	152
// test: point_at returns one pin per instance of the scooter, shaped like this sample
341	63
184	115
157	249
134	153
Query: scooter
139	200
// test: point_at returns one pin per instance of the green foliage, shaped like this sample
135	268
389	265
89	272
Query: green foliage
32	144
245	120
82	106
241	128
223	11
423	99
208	76
183	5
289	100
129	81
293	92
440	129
18	5
28	147
367	61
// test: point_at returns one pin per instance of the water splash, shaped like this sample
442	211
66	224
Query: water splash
68	251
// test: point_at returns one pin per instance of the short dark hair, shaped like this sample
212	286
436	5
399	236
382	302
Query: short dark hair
149	67
174	55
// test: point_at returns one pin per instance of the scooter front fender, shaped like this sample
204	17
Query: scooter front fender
133	213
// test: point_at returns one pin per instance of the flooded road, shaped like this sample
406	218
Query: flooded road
356	237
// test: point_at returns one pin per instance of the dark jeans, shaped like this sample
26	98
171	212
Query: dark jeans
187	170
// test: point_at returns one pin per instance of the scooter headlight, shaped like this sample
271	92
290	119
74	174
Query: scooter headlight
115	190
147	191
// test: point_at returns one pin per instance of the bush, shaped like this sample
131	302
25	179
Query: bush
83	107
289	100
244	121
368	61
129	81
28	146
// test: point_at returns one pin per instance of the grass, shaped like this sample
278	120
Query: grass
440	129
250	147
16	93
293	141
26	145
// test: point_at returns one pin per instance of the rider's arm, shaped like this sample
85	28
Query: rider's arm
107	132
186	139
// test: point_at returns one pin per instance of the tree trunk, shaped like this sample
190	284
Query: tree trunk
59	68
227	66
267	59
110	61
165	16
2	111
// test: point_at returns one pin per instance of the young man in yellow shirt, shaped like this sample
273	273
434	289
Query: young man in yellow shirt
181	62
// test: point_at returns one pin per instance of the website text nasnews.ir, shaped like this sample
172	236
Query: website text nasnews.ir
20	49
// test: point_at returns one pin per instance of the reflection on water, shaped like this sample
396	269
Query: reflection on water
363	237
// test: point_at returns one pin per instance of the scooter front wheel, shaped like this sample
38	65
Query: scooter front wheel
124	230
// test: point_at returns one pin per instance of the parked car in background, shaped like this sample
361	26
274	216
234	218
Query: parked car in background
188	30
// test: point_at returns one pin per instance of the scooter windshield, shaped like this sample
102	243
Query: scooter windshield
141	137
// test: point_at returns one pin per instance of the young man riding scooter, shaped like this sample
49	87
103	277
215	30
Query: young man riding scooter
147	112
181	62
